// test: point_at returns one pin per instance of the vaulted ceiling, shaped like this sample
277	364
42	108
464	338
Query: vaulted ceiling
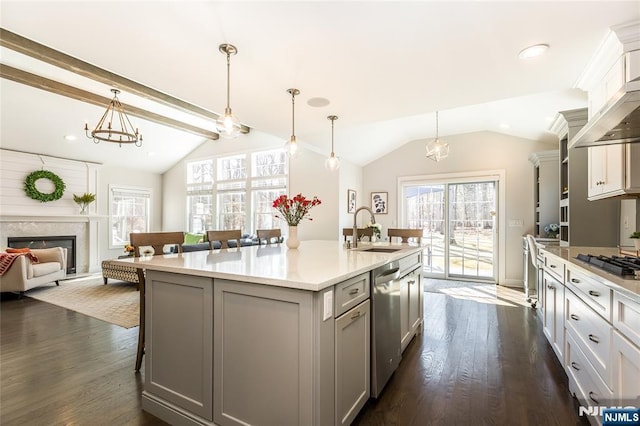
385	68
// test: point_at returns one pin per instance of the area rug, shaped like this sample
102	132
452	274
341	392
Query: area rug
118	302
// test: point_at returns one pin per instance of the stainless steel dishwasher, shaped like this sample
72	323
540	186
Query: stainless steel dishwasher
385	328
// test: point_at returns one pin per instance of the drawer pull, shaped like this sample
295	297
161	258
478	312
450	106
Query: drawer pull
552	266
594	293
412	282
550	287
575	280
575	366
354	291
594	339
355	315
592	398
575	317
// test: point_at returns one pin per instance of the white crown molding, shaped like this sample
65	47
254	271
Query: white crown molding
537	157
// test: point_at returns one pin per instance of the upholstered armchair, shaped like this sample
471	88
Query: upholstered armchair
23	274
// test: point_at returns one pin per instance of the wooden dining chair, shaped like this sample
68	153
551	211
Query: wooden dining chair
362	232
405	234
157	240
223	237
270	236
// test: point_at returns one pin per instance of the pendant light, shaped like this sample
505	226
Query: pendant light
228	125
114	126
291	146
332	163
436	149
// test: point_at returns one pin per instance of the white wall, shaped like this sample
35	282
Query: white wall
469	152
350	178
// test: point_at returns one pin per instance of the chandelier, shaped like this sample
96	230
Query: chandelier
114	126
291	146
332	163
436	149
228	125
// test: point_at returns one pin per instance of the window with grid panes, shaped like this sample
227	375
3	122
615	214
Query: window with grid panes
242	193
128	212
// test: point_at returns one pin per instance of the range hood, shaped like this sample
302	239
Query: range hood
618	121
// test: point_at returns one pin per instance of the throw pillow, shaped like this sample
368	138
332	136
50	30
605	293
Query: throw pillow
190	238
18	250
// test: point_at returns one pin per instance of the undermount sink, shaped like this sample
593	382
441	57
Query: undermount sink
381	250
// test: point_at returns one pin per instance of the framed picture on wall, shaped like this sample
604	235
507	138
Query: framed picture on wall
351	201
379	202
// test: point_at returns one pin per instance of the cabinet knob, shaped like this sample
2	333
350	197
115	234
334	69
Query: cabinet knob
575	366
594	293
594	339
575	317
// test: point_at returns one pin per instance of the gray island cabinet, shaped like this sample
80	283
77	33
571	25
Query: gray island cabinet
260	335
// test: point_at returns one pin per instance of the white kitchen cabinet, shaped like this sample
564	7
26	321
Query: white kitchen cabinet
410	306
626	365
553	326
352	362
610	171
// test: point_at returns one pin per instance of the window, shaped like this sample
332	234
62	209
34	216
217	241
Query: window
128	212
242	193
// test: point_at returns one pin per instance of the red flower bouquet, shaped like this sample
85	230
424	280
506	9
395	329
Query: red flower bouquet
293	210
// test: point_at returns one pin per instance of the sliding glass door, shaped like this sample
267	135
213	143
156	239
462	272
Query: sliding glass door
459	226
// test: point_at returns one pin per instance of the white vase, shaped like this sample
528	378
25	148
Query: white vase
292	240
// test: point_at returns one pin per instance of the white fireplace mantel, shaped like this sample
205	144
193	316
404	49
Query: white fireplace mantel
50	218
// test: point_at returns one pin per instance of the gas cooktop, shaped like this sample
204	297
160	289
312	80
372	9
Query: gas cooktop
622	266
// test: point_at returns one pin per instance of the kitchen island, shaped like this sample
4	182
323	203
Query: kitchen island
262	334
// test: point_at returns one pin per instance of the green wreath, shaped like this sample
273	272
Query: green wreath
32	192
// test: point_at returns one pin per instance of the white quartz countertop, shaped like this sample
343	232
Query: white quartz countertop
313	266
629	287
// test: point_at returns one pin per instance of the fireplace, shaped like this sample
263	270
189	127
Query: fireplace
65	241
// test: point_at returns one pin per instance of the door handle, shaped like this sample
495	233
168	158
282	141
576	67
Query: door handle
592	398
575	366
594	293
594	339
575	317
575	280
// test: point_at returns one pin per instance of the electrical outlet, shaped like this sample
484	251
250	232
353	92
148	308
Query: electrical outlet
328	305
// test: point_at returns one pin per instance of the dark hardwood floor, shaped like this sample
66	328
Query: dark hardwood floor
475	363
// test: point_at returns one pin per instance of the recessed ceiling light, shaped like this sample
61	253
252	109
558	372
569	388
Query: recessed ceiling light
533	51
318	102
70	137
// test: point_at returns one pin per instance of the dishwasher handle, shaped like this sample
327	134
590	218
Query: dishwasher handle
388	275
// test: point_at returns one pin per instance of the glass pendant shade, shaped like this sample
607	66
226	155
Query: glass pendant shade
332	163
436	149
291	147
228	125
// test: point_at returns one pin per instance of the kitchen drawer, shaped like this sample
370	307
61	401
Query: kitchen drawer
555	266
584	381
351	292
409	262
591	291
626	317
592	333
